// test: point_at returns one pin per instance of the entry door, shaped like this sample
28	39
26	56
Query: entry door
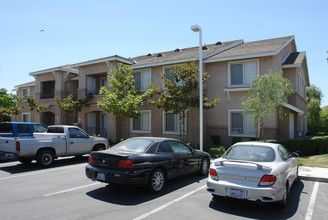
291	126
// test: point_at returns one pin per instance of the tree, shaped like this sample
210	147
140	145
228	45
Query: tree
33	105
122	98
71	104
9	105
182	94
313	96
324	120
265	96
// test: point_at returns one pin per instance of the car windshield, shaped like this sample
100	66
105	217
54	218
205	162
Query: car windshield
251	153
133	145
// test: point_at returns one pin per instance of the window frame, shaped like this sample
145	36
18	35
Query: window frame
143	71
27	114
241	62
142	131
164	123
230	134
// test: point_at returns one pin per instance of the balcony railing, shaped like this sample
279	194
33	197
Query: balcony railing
47	95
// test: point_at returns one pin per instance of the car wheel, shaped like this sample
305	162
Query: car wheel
45	158
204	165
157	181
283	202
25	160
98	148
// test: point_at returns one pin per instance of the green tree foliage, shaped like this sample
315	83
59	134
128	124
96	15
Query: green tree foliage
33	105
182	94
314	95
122	98
265	96
324	120
9	105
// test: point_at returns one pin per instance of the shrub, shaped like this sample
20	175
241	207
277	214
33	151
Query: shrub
217	151
307	146
235	140
215	139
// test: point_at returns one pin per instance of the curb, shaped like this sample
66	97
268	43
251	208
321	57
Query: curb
314	179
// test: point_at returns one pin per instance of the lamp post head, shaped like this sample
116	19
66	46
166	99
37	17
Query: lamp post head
196	28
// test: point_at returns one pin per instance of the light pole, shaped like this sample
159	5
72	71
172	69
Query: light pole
197	28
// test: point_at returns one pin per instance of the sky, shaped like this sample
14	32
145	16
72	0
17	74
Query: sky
37	34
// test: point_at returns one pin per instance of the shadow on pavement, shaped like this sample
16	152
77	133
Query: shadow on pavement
253	210
133	195
17	167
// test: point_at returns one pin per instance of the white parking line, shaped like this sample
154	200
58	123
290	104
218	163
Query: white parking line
69	190
309	212
168	204
41	171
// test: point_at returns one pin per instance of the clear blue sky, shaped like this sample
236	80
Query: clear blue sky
80	30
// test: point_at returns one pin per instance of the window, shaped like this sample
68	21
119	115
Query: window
26	92
167	71
23	128
165	147
241	124
171	123
26	117
251	153
6	128
142	79
55	130
47	90
76	133
242	73
179	148
283	153
143	123
39	128
103	82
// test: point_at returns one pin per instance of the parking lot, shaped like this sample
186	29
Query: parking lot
64	192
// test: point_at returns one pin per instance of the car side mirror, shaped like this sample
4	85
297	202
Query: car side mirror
294	154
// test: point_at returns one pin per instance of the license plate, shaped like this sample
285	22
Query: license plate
237	193
100	176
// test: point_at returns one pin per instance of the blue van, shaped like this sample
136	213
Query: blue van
20	129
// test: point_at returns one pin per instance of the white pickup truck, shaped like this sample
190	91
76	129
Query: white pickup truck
58	141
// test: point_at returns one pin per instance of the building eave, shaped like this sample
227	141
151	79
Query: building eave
103	60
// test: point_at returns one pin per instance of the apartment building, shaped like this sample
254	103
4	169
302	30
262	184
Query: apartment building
232	66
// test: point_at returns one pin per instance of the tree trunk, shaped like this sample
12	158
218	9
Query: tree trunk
262	127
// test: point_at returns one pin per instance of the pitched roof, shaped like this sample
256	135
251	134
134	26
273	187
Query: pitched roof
266	47
294	58
66	68
182	55
32	83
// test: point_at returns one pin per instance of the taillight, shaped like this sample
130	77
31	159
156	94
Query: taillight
17	146
128	164
267	180
90	160
214	175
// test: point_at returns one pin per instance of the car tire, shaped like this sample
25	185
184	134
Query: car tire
157	181
204	166
25	161
45	158
283	203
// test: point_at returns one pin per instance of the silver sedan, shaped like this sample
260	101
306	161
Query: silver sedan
261	172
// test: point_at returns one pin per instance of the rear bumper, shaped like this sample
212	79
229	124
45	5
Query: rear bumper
139	177
8	156
263	194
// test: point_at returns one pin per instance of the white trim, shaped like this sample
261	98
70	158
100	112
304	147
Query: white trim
291	107
142	131
53	70
291	65
103	60
241	62
239	89
171	62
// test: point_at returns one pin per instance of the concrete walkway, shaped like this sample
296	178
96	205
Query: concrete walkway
313	174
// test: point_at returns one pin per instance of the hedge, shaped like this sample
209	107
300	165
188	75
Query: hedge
308	146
